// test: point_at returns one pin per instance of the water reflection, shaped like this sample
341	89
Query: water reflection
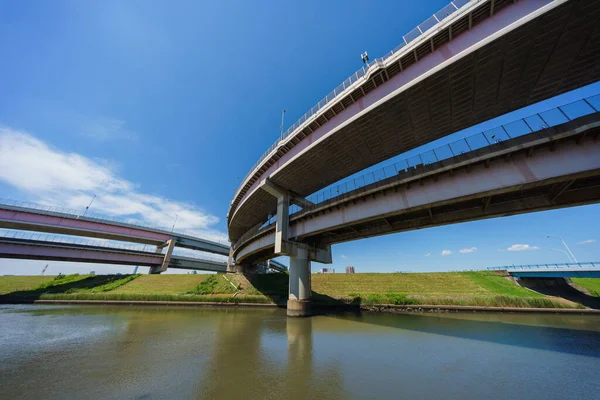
156	353
573	334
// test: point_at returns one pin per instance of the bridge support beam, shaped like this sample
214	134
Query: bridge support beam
170	245
300	254
298	304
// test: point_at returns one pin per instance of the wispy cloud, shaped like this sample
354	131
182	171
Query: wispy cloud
589	241
522	247
427	255
103	129
447	252
469	250
58	178
343	256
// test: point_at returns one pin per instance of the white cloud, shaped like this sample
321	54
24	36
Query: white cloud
69	180
589	241
343	256
427	255
447	252
469	250
522	247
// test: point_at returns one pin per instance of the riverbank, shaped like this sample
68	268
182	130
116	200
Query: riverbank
477	291
322	308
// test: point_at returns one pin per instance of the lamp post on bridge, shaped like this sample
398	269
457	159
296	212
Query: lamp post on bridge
365	59
567	247
562	251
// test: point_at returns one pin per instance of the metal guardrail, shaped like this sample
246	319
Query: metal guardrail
420	30
521	127
71	213
536	122
58	239
594	264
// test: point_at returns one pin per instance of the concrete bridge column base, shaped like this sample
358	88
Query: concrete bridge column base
298	304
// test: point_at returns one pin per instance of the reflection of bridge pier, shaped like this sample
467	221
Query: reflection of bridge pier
300	354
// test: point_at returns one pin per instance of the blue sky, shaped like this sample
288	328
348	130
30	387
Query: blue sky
161	108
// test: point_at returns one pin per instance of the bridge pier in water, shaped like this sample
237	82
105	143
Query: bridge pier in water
301	254
298	304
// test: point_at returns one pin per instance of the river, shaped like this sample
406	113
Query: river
97	352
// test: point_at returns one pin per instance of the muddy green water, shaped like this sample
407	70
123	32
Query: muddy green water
95	352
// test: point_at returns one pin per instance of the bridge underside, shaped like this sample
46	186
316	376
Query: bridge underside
559	173
557	274
552	54
37	250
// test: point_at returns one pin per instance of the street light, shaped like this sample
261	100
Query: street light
562	251
567	247
174	222
365	58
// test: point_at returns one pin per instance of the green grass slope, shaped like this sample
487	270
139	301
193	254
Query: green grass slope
590	285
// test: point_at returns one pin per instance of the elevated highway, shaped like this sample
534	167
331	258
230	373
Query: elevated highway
550	168
468	63
525	166
486	59
39	219
52	251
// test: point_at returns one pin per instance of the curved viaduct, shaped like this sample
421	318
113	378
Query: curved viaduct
487	58
552	168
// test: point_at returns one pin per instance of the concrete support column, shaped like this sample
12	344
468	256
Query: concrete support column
298	304
170	245
282	223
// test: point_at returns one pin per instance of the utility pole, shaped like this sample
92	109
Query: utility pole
89	205
281	127
173	228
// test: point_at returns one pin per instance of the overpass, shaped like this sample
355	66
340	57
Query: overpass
553	167
568	270
469	63
40	218
27	249
34	217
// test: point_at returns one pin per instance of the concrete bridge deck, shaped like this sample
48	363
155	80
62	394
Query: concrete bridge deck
40	220
550	168
26	249
568	270
485	60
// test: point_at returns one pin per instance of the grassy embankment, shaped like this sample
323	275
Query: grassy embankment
453	288
590	285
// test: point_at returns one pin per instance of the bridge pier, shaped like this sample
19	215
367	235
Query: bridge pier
170	245
298	304
300	254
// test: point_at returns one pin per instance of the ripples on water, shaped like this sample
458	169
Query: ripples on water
57	352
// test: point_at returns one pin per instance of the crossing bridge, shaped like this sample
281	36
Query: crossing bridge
470	62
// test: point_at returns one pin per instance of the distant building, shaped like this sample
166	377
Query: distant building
92	272
327	270
349	269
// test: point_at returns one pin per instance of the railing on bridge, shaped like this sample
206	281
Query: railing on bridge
543	120
524	126
72	213
413	35
108	244
595	264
